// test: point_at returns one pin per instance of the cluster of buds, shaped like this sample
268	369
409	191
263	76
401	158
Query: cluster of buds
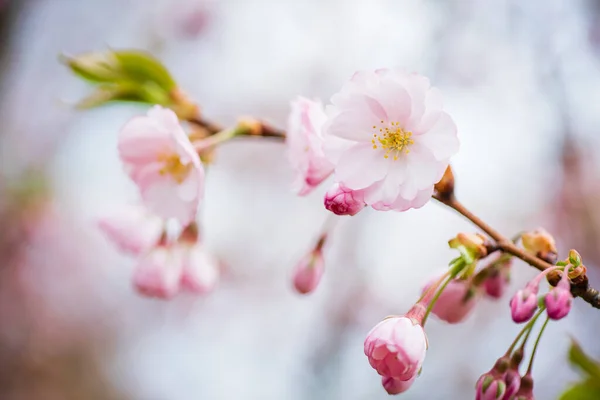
557	301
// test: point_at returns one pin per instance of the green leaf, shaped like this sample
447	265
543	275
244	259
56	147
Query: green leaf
587	390
143	67
123	76
589	366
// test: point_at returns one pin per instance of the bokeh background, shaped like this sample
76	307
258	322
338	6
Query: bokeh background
520	78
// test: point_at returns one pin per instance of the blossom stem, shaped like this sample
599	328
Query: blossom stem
587	293
535	346
217	138
435	298
263	131
526	329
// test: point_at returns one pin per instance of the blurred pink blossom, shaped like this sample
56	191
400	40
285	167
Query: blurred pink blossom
158	273
308	272
132	229
200	272
455	303
161	160
305	145
396	386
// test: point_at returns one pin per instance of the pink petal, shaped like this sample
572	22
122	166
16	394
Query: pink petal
441	139
361	166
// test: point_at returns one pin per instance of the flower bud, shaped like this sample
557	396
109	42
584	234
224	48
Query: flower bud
396	386
472	245
396	347
497	281
200	272
456	301
343	201
524	304
525	391
490	387
445	187
558	300
541	244
158	273
575	258
309	271
513	382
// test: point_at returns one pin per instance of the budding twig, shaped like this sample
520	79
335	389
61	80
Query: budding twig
578	289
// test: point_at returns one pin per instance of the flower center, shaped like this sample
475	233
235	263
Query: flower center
174	167
393	139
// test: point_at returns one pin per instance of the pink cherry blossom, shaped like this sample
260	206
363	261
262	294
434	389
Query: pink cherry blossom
308	272
386	133
396	386
200	269
396	347
343	201
455	303
160	159
305	145
158	273
133	229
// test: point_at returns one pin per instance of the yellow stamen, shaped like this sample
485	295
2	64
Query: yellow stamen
394	140
174	167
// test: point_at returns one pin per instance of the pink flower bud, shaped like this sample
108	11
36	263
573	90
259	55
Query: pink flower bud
396	386
343	201
525	392
133	229
490	387
200	269
308	272
396	347
558	300
455	303
159	272
524	304
495	284
513	382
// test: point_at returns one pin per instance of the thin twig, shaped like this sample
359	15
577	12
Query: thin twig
583	290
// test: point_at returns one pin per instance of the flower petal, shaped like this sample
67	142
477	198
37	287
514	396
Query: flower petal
360	166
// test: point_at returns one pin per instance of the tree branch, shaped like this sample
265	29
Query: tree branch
580	288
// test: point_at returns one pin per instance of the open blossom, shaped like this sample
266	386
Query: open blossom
396	347
133	229
386	133
160	159
305	145
455	303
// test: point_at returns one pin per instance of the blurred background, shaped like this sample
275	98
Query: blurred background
521	80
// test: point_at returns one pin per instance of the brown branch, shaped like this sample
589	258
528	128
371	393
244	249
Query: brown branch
579	287
259	129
